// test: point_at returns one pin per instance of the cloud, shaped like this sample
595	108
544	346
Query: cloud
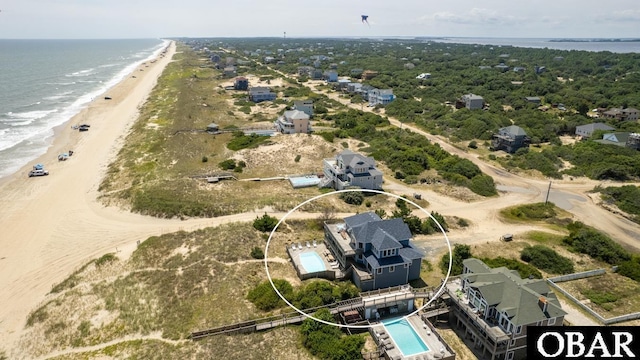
624	15
475	16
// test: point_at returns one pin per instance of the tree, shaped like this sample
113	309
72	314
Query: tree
265	223
460	253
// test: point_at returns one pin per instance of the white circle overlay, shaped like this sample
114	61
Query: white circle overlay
435	296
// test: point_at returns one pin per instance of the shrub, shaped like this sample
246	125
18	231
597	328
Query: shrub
205	159
327	135
473	144
257	253
586	240
352	197
228	164
297	159
265	223
547	259
265	298
106	258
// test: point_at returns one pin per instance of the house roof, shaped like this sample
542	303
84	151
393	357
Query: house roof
594	126
350	158
386	261
513	130
382	240
367	231
521	299
296	115
472	97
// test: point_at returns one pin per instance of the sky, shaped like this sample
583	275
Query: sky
99	19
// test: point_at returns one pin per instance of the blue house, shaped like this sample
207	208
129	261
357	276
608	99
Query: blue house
330	76
377	252
383	97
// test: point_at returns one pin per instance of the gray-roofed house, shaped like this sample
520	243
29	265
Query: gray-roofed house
510	139
587	130
533	99
626	114
261	93
495	307
472	101
349	169
379	251
293	122
380	96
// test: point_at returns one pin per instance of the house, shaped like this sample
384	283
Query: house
229	71
617	138
293	122
364	91
261	93
633	141
356	72
382	97
330	76
343	84
423	76
495	307
587	130
241	83
502	67
369	74
626	114
472	102
377	252
354	87
540	69
306	106
304	70
351	169
510	139
533	99
316	74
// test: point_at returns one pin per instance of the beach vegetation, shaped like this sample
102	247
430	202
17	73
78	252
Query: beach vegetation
547	259
328	341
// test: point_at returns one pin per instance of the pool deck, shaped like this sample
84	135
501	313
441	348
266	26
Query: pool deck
331	270
425	331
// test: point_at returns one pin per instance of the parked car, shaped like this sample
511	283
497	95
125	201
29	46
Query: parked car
39	172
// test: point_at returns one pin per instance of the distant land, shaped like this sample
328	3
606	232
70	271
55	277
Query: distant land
594	40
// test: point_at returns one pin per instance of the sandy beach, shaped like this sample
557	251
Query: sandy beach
53	224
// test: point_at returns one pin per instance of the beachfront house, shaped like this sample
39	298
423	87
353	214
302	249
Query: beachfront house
494	307
261	93
587	130
377	252
510	139
293	122
330	76
349	169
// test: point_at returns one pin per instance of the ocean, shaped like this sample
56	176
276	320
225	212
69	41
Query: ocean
46	82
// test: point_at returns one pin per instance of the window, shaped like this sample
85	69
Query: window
552	321
379	271
360	245
519	330
512	343
406	266
510	355
392	268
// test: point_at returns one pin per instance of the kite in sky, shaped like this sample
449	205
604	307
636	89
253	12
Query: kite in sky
364	19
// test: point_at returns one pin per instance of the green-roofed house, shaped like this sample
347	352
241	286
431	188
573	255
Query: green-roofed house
495	307
510	139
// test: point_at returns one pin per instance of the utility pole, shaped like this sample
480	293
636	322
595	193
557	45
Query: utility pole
548	191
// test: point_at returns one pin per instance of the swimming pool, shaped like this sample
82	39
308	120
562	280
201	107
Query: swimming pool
405	337
312	262
304	181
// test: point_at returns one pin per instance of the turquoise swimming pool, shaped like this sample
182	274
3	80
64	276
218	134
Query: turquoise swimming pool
312	262
405	336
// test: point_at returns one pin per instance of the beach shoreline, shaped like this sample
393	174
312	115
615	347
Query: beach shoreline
53	224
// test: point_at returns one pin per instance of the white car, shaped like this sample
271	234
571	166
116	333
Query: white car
40	172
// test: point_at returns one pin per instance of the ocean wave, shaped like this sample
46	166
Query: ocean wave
64	95
86	72
28	115
61	83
